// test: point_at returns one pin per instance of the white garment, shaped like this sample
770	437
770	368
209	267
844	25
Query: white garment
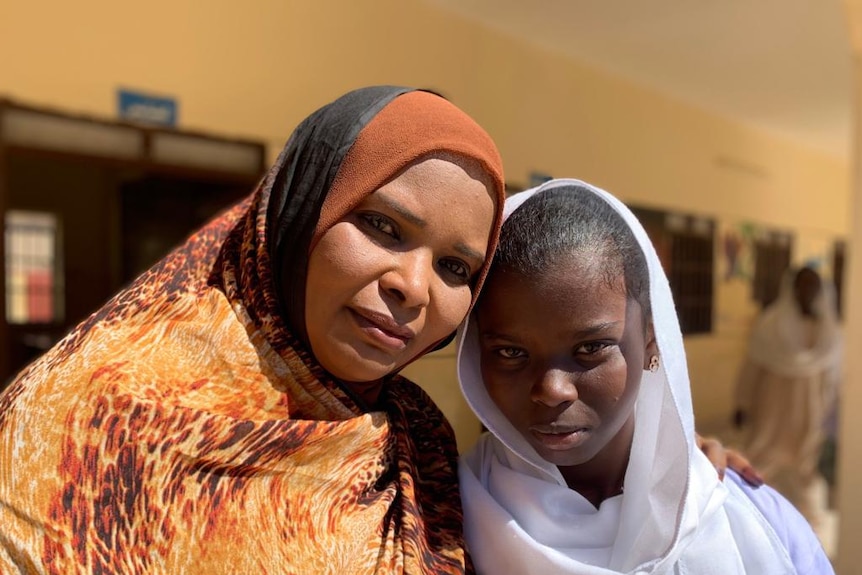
675	515
785	342
787	387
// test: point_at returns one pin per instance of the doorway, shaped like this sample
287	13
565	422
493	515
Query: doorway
80	224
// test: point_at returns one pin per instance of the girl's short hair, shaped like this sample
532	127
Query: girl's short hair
573	220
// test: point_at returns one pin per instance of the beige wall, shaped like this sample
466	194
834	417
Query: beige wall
256	68
849	560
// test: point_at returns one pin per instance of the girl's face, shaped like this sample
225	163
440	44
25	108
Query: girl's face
395	275
562	355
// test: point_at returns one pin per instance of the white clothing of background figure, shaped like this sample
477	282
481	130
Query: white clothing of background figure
787	388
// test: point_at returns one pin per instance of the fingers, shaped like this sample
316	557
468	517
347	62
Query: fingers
722	458
716	453
740	464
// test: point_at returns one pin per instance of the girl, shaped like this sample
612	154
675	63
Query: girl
575	363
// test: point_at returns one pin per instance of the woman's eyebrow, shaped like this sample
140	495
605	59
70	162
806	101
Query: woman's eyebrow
469	252
403	211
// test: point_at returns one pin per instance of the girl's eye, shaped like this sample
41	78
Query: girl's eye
457	268
510	352
591	348
381	224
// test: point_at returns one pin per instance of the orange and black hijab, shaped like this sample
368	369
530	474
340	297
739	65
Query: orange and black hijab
347	150
184	427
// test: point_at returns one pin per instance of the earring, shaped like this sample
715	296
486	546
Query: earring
653	363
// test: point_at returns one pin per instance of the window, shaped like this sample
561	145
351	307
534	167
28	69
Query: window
32	277
685	245
771	259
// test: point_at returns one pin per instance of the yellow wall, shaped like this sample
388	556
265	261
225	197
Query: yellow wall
256	68
849	560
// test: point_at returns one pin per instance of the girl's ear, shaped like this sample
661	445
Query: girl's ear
651	348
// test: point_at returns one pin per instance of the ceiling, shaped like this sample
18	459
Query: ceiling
781	65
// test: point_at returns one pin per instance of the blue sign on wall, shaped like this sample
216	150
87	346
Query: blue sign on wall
138	107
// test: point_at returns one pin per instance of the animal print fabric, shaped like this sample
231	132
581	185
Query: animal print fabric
182	429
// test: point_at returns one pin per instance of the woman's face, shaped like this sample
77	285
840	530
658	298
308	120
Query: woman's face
562	355
395	275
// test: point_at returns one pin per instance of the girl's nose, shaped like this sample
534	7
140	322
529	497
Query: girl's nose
554	387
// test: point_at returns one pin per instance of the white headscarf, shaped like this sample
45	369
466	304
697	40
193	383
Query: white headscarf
675	516
779	339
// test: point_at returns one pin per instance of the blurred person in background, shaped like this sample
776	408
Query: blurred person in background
787	389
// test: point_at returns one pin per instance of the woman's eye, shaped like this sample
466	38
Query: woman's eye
381	224
457	268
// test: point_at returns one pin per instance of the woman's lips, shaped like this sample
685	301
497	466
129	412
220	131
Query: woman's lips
383	329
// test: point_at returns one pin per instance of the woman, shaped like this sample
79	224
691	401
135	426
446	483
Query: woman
574	361
238	409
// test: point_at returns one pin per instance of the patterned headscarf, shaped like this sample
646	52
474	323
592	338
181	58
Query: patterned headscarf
185	428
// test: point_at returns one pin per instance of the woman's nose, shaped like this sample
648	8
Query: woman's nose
554	387
409	280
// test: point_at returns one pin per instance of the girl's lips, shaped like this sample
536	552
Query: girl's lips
559	438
